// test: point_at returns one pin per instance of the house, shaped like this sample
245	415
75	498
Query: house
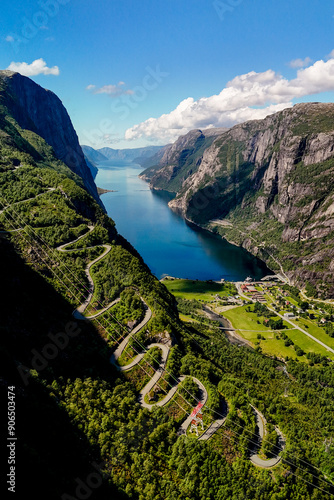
289	315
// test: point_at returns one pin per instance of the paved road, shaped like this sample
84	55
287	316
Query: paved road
203	397
216	424
62	248
303	331
28	199
116	354
78	313
308	299
156	377
254	458
158	374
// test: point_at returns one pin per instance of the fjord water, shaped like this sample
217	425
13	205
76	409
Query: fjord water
167	243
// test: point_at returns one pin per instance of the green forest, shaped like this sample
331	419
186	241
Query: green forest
80	428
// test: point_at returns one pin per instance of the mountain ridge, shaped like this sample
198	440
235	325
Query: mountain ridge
42	112
129	154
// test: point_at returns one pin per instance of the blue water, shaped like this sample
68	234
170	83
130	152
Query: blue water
167	243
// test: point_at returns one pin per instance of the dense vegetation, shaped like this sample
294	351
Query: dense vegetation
78	416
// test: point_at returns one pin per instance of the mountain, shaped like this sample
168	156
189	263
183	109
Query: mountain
41	112
93	155
176	162
92	167
44	204
78	427
266	185
152	160
133	154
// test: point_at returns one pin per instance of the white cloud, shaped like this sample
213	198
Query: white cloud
300	63
111	90
9	38
246	97
37	67
331	54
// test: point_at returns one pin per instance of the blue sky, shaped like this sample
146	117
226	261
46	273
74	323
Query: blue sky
149	71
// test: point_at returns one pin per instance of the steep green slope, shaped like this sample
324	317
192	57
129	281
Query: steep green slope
40	111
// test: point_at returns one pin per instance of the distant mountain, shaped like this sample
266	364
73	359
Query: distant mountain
266	185
152	160
137	154
39	111
93	155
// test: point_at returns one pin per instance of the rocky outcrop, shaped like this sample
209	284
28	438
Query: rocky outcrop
92	167
180	160
42	112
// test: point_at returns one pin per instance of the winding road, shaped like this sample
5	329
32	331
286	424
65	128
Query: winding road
27	199
255	459
165	349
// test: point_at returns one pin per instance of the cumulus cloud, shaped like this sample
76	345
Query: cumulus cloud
300	63
37	67
9	38
246	97
111	90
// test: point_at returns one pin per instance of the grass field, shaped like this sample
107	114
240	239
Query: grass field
316	331
307	344
198	290
243	320
247	322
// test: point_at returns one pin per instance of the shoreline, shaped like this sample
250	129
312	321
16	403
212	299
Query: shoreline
202	228
101	191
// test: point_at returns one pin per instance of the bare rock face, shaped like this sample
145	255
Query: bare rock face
180	160
42	112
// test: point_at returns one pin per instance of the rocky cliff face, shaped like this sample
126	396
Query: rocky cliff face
180	160
42	112
268	185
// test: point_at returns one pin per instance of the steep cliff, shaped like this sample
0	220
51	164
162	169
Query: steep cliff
42	112
268	185
178	161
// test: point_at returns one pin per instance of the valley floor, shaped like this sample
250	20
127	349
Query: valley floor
305	328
